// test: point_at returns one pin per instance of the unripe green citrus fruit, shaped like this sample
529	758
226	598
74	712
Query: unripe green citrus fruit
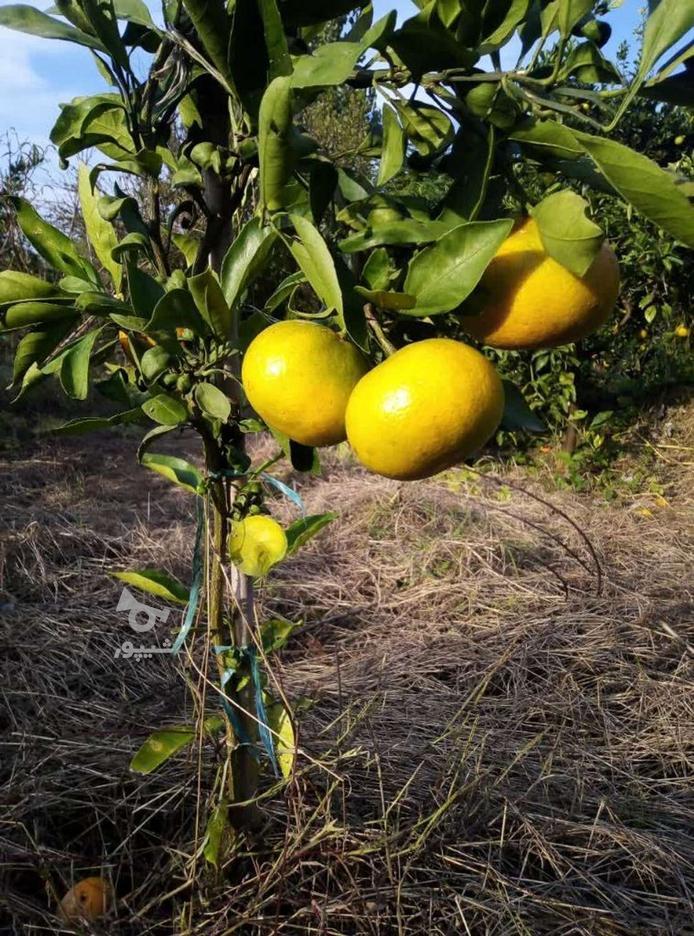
256	544
298	377
529	300
424	409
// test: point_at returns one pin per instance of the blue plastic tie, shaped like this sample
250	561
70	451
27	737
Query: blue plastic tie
286	490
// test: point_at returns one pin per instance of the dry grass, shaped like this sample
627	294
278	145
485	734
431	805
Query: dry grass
495	747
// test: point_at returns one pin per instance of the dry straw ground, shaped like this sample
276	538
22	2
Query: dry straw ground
497	745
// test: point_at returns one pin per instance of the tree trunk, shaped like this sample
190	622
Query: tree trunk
243	775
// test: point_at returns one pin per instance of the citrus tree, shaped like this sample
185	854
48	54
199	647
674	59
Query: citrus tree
173	315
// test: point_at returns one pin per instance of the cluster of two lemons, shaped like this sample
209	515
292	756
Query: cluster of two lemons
434	402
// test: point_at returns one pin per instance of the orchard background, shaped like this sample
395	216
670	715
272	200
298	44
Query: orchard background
454	705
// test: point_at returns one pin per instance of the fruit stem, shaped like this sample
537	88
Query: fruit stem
386	346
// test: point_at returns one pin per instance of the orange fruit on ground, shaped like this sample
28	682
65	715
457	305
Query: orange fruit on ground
424	409
87	900
298	377
529	300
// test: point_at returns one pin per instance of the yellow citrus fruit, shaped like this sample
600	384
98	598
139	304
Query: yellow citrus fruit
89	899
298	376
424	409
257	543
529	300
682	331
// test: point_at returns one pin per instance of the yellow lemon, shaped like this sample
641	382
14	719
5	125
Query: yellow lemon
682	331
257	543
424	409
88	900
298	377
529	300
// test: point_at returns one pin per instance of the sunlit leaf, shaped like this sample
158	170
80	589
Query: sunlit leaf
443	275
284	738
302	531
567	234
155	582
159	747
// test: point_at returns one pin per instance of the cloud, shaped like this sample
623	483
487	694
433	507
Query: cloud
36	75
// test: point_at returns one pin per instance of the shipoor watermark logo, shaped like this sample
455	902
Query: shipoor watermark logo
142	618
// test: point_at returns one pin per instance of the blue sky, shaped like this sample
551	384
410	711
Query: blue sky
37	74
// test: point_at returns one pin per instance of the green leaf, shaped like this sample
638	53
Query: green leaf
213	28
567	234
408	231
217	829
188	244
302	457
322	185
165	410
517	413
424	44
75	285
155	582
283	291
279	721
548	138
428	128
586	63
212	401
379	269
506	17
176	309
563	15
275	154
354	315
96	303
28	19
275	633
93	423
174	469
668	22
313	257
35	348
145	291
471	159
301	531
74	369
54	246
24	314
393	150
159	747
101	235
443	275
97	120
209	298
676	89
102	16
331	64
16	287
245	259
135	11
275	39
650	189
388	299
